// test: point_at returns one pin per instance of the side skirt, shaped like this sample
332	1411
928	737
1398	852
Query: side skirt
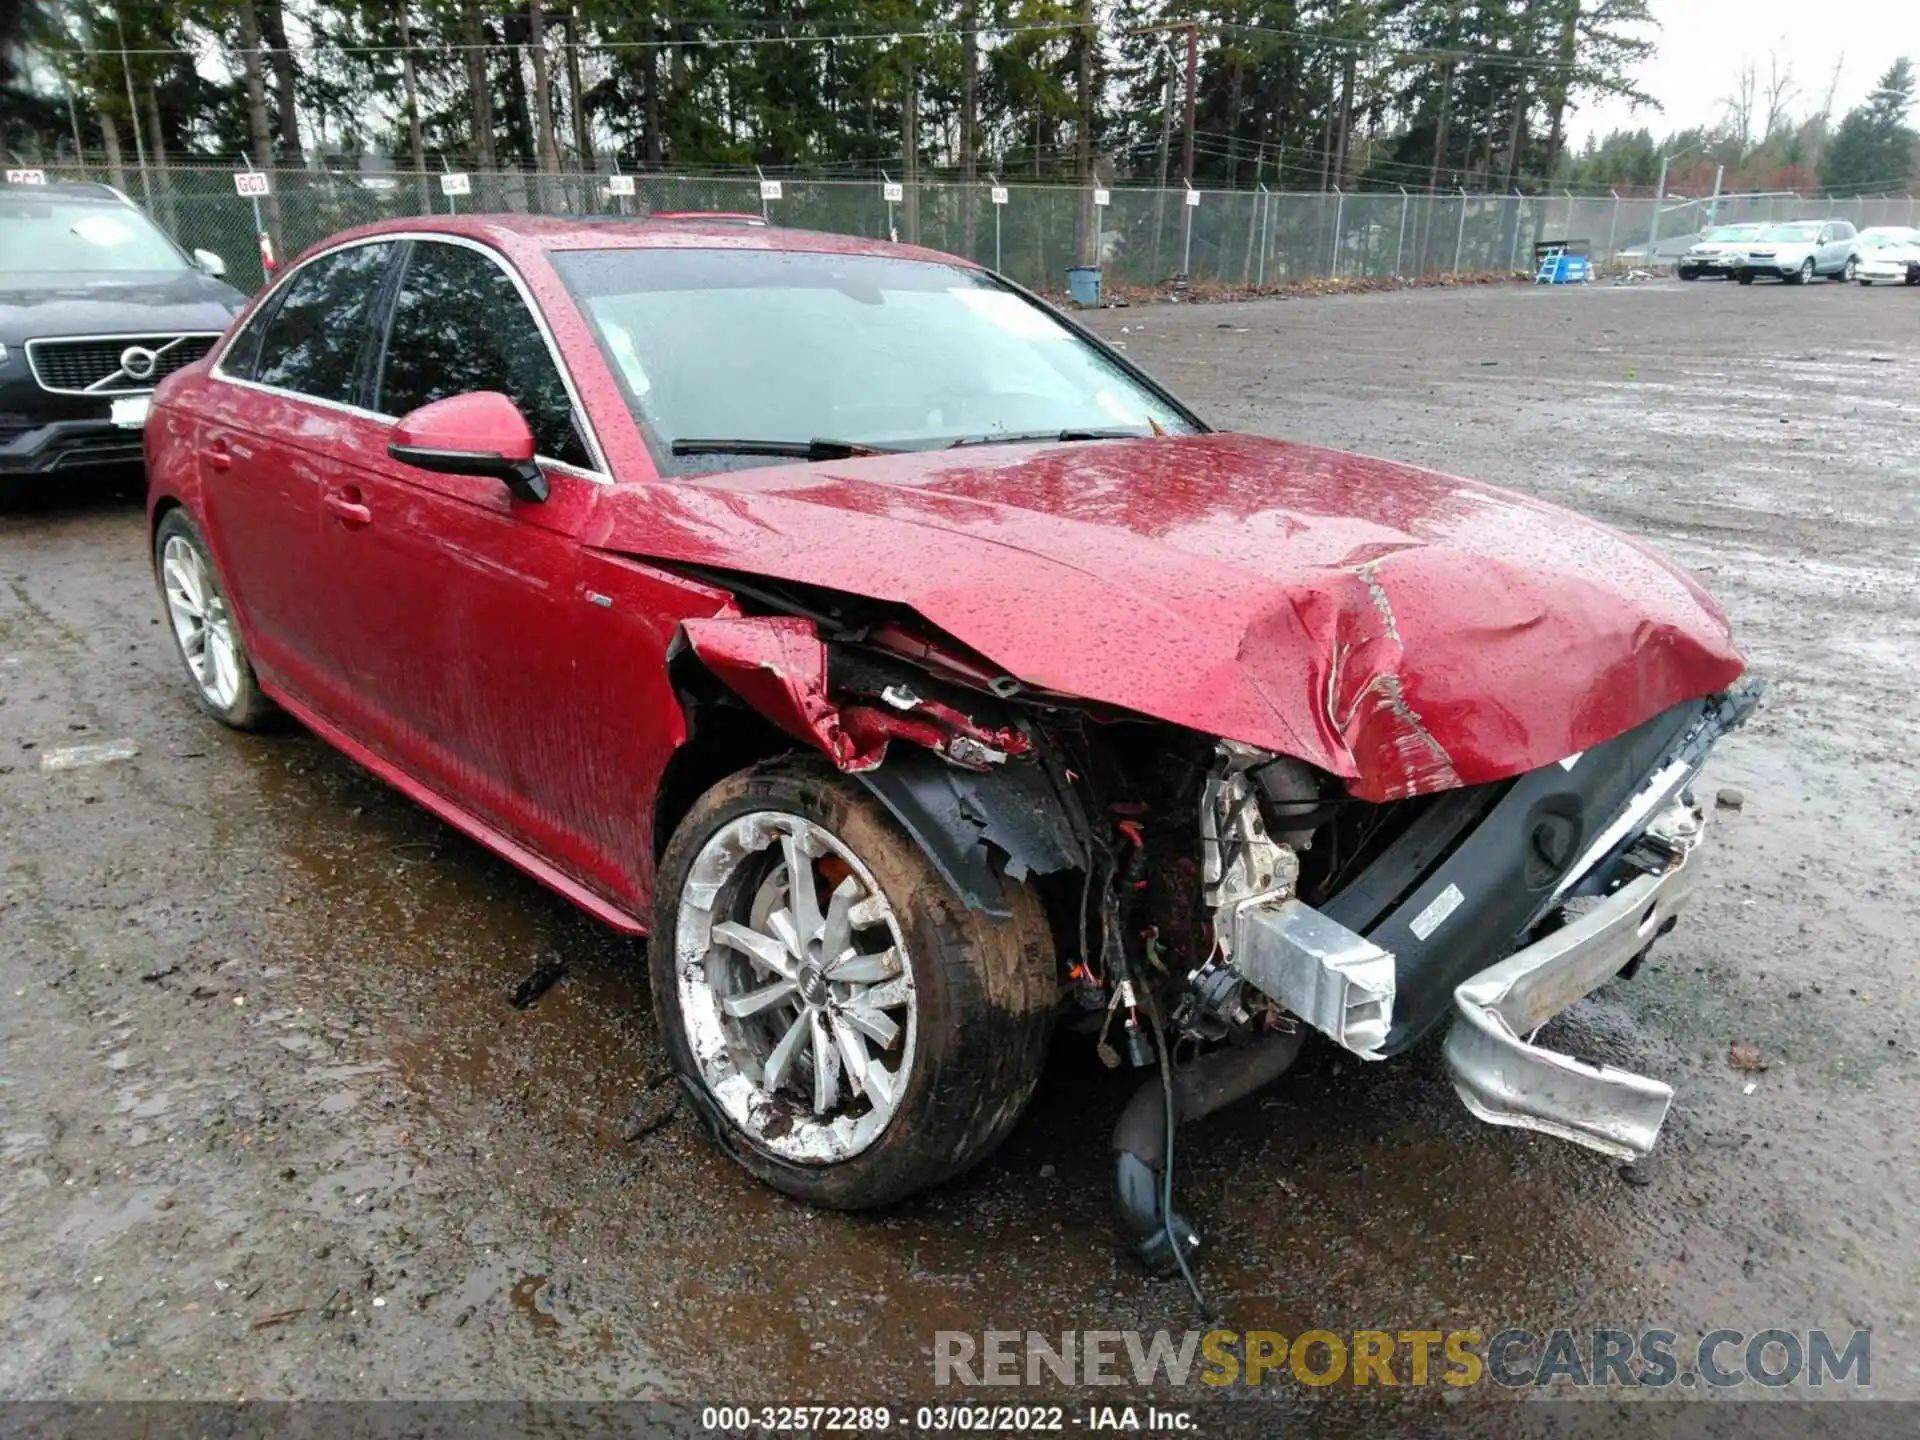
460	819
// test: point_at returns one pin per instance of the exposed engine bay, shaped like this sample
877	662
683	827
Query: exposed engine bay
1212	900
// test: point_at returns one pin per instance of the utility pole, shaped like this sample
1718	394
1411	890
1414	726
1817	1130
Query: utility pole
1192	27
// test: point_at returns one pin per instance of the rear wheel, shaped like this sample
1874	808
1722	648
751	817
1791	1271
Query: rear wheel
859	1033
1848	270
204	633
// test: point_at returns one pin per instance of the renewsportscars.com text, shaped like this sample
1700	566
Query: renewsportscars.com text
1647	1359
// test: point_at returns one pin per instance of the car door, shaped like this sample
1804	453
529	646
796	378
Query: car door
454	604
268	439
1835	243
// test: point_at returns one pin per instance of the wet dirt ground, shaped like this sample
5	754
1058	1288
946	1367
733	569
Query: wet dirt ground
271	1127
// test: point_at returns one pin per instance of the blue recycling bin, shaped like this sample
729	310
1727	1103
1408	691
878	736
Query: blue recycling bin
1083	283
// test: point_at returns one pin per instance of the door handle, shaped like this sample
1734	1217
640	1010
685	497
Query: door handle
218	455
351	513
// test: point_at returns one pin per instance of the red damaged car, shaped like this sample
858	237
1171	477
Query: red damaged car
919	675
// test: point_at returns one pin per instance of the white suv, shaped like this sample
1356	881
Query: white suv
1718	252
1799	250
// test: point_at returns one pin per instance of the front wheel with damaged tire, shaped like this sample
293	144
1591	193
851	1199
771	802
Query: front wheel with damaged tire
849	1028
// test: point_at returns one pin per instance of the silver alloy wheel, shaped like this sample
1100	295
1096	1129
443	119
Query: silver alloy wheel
200	622
1807	272
793	1011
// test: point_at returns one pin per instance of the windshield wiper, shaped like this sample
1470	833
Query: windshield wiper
1028	436
795	449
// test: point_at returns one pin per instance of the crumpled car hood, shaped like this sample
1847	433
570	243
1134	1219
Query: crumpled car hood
1400	628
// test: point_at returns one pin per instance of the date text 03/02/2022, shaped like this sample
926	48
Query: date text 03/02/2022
943	1419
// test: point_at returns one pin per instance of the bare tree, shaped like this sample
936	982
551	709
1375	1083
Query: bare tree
1780	92
1821	125
257	122
1741	105
273	29
969	115
1084	39
576	93
548	151
1561	80
416	142
479	82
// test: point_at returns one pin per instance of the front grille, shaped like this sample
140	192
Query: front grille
93	366
13	426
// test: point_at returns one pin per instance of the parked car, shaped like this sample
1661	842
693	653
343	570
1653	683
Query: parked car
915	671
1889	256
1718	252
1800	251
97	306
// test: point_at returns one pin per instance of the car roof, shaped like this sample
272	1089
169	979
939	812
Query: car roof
528	236
71	190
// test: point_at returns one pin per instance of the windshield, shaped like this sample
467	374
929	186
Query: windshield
1792	233
1872	240
1733	232
46	233
788	347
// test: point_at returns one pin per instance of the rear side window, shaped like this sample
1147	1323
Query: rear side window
311	342
460	325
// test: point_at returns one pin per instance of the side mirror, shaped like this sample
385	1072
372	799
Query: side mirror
210	262
482	433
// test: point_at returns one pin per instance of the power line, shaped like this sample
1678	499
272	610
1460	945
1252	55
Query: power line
593	46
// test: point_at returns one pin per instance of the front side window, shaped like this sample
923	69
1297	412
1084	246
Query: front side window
49	234
786	348
312	339
459	325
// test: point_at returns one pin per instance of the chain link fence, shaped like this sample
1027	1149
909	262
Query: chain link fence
1141	237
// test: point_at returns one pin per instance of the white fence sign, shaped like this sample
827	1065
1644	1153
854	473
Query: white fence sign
620	185
456	183
999	194
769	189
249	182
894	191
1101	197
1193	197
26	177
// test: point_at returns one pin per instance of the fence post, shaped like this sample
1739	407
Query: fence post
1519	209
1460	238
1400	250
1253	229
1339	213
1186	247
1613	226
1265	204
994	180
1266	240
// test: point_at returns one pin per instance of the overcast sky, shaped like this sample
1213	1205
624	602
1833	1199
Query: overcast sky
1702	44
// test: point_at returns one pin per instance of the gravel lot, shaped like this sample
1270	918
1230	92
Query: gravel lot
271	1127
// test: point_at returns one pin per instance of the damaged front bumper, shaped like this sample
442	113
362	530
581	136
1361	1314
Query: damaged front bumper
1505	1079
1386	959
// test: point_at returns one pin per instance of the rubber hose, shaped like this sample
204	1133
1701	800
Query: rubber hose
1210	1083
